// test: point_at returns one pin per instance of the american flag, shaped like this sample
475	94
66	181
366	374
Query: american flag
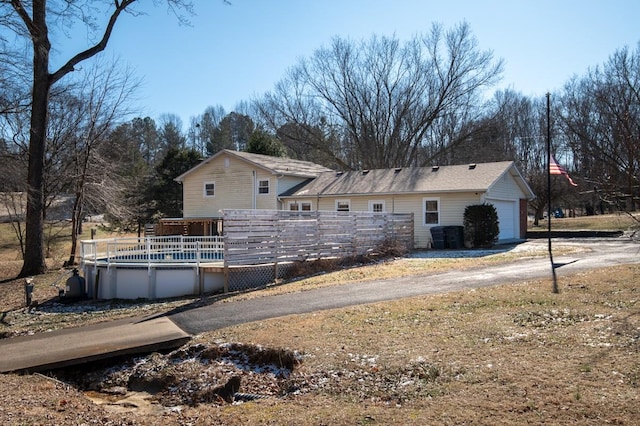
557	169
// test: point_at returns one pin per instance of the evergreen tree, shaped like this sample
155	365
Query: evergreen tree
165	193
260	142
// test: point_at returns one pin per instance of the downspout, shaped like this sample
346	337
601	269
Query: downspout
253	198
276	191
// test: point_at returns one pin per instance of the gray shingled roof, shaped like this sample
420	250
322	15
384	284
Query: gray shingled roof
277	165
464	178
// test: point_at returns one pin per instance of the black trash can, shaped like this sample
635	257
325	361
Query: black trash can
438	238
454	237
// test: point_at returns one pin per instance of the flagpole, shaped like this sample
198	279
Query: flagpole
553	266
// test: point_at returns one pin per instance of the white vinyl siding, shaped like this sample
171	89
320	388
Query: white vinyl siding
451	209
234	188
506	188
505	195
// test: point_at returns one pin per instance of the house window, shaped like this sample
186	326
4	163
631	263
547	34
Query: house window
376	206
343	205
209	189
304	206
263	186
431	211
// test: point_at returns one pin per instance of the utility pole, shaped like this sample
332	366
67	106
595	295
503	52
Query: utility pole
553	266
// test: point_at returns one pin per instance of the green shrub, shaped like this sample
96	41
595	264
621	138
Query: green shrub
481	226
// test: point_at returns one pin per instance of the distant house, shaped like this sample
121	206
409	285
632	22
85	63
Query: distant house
13	206
436	196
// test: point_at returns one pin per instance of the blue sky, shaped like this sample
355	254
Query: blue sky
233	53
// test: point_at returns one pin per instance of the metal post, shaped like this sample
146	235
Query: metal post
553	266
28	291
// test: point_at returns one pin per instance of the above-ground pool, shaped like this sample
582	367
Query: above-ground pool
152	267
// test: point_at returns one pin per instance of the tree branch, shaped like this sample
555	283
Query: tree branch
20	10
120	6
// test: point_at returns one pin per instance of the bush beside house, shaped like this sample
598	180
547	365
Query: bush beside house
481	226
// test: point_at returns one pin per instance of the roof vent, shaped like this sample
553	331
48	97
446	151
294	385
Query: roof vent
435	168
364	172
472	166
339	173
398	170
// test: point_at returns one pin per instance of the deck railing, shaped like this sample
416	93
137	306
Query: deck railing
167	249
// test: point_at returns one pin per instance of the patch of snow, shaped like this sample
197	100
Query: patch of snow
471	253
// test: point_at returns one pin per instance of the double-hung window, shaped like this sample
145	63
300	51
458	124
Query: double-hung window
209	189
376	206
343	205
263	186
431	208
304	206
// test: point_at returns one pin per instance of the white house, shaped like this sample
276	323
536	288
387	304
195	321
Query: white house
437	196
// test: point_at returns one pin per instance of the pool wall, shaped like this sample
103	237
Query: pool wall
118	281
152	267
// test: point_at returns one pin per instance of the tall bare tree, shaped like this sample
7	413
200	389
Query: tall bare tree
105	92
388	97
202	128
601	117
133	149
32	20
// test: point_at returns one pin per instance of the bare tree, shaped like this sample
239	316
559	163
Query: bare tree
386	96
105	92
202	128
601	118
170	133
12	194
32	20
232	132
133	149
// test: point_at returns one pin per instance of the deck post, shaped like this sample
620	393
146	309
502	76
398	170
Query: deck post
226	277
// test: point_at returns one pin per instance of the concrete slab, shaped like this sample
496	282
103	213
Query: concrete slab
62	348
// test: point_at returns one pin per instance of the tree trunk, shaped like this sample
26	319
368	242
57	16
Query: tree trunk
76	228
34	261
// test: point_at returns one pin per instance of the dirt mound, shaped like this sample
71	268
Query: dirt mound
194	374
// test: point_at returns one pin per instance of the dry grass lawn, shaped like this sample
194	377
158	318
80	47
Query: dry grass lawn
510	354
619	221
504	355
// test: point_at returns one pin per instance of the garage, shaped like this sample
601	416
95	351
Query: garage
507	216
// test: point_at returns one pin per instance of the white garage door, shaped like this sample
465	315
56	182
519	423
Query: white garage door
507	217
